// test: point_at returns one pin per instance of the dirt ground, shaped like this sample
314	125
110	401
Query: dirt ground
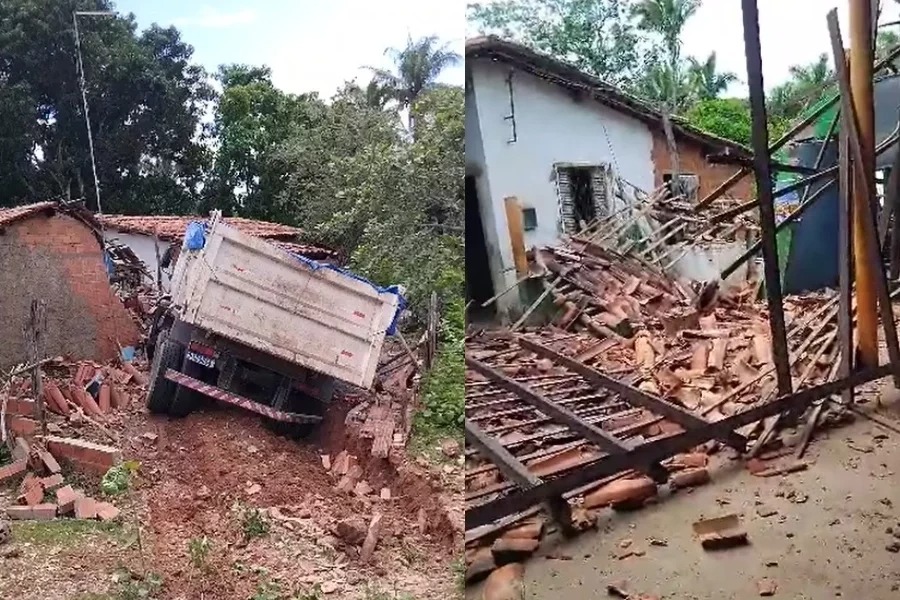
224	508
827	539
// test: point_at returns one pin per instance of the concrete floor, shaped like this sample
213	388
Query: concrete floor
832	544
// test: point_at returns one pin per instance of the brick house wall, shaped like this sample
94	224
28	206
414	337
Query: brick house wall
57	258
692	160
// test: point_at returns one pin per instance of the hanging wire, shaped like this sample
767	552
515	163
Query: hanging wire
87	118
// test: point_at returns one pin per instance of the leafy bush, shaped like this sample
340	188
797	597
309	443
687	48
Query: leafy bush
443	395
253	523
117	479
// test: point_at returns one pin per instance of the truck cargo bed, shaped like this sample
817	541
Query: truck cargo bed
244	289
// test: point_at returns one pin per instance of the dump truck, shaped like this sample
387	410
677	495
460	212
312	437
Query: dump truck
250	324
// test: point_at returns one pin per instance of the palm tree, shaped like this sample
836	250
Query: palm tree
706	80
417	67
667	18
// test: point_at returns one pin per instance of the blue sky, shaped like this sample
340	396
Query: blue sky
311	45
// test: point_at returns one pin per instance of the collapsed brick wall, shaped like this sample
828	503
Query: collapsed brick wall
57	258
692	159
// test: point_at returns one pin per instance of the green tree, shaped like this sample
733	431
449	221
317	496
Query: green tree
597	36
416	69
806	86
728	118
145	98
667	19
706	80
252	118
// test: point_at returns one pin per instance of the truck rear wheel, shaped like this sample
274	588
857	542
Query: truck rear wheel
186	399
168	355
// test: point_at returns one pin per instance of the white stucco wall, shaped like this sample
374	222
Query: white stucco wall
551	127
705	262
143	247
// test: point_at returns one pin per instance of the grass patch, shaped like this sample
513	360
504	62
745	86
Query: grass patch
129	587
117	479
443	393
199	549
64	532
376	594
267	590
253	523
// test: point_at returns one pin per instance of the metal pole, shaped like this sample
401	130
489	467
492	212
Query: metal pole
762	169
87	118
861	58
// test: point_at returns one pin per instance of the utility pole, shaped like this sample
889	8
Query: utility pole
861	61
81	81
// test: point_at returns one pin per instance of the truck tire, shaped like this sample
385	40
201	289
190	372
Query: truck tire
168	355
186	399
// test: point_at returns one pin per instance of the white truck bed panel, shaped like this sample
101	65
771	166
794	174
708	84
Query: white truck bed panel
246	290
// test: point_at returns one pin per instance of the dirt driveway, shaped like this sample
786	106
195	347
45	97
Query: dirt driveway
223	508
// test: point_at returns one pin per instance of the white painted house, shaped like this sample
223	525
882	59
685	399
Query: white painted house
542	131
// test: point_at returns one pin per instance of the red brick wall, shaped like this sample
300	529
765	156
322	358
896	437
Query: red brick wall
691	160
57	258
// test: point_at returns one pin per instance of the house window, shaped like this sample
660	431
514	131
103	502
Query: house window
582	196
529	219
687	186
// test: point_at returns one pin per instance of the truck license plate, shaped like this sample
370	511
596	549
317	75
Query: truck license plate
201	360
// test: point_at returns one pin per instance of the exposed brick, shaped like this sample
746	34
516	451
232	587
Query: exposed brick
117	398
510	550
368	547
86	508
479	564
689	478
107	511
690	461
692	159
13	470
533	530
41	512
31	491
505	584
65	499
53	395
87	402
49	462
87	454
20	406
621	492
22	449
22	426
104	398
52	482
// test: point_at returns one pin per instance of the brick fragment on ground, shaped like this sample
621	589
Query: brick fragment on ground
720	533
39	512
341	464
53	395
532	530
31	492
96	458
52	482
106	511
103	398
48	462
622	493
86	508
511	550
766	587
352	530
138	377
65	499
326	462
117	398
505	583
691	460
479	564
689	478
368	547
87	402
22	449
20	407
783	470
13	469
385	493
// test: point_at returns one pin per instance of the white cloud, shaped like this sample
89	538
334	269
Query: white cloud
333	48
213	18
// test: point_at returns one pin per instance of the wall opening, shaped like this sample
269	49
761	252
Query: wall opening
687	186
582	196
479	285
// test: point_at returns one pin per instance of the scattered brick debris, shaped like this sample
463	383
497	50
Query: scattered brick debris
92	457
782	470
689	478
766	587
505	583
721	533
12	470
509	550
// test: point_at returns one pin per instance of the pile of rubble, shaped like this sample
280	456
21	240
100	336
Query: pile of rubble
79	392
43	493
